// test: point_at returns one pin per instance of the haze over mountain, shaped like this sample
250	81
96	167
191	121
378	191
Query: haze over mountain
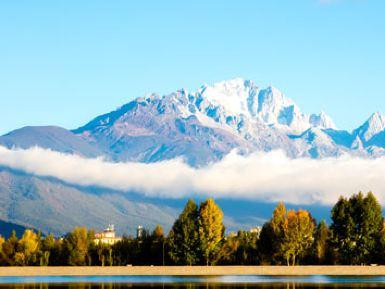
201	127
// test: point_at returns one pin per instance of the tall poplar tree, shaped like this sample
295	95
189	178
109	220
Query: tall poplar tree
342	228
211	230
369	224
271	237
298	230
183	238
321	243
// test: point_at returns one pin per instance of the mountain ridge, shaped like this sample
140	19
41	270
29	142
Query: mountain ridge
205	125
240	115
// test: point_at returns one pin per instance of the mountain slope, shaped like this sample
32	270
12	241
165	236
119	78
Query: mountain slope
151	129
57	207
6	229
50	137
371	128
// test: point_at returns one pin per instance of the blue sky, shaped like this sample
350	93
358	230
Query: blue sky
64	62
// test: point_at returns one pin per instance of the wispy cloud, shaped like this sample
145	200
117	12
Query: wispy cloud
262	176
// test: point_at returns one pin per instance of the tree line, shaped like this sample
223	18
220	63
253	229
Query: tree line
355	236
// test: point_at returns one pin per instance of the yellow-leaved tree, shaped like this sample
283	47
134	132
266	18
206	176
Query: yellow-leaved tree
2	241
27	248
298	230
211	230
76	245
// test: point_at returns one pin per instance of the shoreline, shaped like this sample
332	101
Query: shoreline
193	271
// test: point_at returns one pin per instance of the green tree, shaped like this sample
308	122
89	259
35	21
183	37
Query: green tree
240	249
381	246
211	230
321	243
356	227
183	240
247	250
58	255
228	251
266	245
271	237
124	252
369	224
47	246
158	246
342	229
101	249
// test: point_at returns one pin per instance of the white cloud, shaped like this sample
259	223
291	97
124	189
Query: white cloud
261	176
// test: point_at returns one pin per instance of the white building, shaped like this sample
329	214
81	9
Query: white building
139	232
108	236
256	230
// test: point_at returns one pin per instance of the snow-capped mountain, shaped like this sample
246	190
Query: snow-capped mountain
204	125
374	125
200	126
238	98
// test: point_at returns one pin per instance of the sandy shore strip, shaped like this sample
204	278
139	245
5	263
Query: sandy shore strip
195	271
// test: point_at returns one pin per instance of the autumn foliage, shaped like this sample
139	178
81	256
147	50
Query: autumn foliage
356	235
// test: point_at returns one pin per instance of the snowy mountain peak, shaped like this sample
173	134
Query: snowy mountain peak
322	120
204	126
272	99
238	97
222	116
275	108
230	84
232	95
377	119
374	125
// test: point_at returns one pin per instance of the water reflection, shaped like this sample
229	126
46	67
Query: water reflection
191	282
207	285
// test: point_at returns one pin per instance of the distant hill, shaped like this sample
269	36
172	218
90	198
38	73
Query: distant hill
6	228
49	137
55	207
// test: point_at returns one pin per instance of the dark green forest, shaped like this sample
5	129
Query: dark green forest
355	236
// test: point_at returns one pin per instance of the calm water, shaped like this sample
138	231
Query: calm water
169	282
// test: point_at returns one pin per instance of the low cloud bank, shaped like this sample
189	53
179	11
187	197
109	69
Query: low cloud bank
261	176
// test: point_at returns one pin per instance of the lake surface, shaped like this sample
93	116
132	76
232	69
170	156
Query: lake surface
172	282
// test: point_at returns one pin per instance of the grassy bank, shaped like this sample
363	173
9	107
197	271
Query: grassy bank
194	270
